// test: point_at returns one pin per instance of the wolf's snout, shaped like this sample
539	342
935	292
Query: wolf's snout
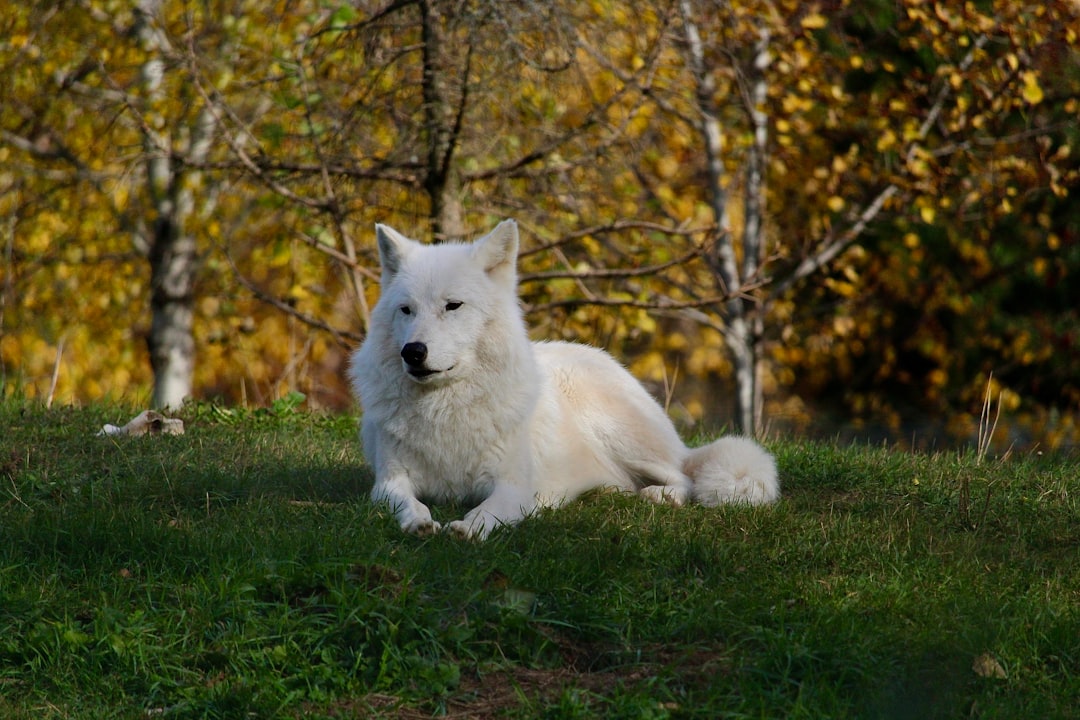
414	354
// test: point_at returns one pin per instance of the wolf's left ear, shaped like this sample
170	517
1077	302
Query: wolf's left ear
497	251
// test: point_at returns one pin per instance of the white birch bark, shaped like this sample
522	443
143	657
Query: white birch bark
743	325
171	248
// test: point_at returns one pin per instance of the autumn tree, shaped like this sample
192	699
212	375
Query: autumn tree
965	134
782	94
130	99
809	198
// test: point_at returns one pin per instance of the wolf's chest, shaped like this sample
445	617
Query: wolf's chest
452	450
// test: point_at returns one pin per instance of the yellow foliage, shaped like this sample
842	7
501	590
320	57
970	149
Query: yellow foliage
843	325
1033	92
938	377
886	141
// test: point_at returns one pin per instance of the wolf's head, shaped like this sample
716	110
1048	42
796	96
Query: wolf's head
446	309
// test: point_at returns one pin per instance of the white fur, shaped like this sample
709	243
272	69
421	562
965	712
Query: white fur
491	418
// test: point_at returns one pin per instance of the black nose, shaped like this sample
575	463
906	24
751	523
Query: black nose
414	354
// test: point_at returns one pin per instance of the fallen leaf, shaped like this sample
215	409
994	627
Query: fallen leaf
987	666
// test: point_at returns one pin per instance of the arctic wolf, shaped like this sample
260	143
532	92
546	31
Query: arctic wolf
459	405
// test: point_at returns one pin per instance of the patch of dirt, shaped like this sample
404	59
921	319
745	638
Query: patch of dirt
499	693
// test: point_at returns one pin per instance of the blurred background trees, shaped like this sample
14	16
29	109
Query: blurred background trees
773	212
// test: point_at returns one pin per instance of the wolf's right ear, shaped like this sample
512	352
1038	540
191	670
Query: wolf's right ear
393	248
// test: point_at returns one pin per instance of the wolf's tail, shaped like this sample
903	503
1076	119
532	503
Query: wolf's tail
732	470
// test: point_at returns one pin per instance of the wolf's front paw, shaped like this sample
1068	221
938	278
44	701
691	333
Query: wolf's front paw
421	527
665	494
466	530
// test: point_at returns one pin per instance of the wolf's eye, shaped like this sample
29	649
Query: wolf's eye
406	310
452	305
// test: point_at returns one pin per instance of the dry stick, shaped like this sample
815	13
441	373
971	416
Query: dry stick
986	428
669	386
55	372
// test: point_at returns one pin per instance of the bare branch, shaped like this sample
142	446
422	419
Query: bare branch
220	112
347	258
599	111
659	304
617	226
833	247
610	273
340	336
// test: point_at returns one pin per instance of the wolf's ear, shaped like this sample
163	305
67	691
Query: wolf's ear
393	248
497	252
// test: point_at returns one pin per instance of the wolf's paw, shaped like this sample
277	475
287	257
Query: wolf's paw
466	531
665	494
421	527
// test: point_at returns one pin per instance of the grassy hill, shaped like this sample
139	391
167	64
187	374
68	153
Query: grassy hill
239	571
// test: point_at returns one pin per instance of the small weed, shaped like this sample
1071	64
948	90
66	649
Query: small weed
988	422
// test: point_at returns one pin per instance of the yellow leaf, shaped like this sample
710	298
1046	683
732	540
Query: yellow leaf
814	21
987	666
836	203
280	255
886	141
1033	94
927	214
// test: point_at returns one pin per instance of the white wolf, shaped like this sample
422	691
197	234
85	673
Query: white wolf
459	405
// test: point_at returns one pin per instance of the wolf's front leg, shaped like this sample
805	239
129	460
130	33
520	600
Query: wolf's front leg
506	505
413	515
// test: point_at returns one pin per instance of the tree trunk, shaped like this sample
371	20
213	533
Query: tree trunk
751	398
442	115
740	341
742	329
171	342
171	250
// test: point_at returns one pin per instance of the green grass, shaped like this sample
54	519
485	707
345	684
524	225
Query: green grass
239	571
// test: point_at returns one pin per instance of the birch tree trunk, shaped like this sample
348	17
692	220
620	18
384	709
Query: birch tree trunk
743	327
751	396
170	249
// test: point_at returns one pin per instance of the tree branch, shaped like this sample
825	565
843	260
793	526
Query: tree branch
617	226
340	336
610	273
